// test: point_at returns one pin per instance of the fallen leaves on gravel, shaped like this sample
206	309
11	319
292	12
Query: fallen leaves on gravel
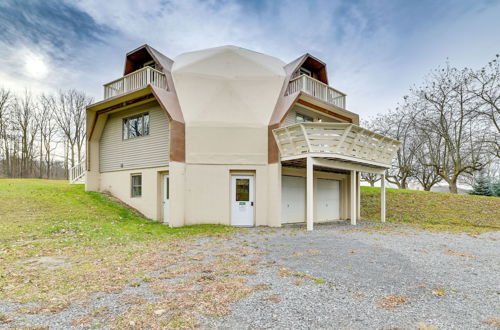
392	301
460	254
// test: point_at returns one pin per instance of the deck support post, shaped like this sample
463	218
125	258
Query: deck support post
310	193
354	182
358	198
382	198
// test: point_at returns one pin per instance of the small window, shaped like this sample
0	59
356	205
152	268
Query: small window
136	183
136	126
306	72
300	118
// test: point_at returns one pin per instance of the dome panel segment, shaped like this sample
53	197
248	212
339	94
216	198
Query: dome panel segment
228	84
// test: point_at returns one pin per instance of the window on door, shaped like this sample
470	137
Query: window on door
167	187
136	185
242	190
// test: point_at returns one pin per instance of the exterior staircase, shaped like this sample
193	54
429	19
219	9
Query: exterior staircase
77	173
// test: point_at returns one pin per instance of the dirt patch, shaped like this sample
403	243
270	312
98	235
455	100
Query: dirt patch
493	321
392	301
5	319
47	262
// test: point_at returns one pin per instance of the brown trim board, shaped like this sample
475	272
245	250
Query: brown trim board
320	109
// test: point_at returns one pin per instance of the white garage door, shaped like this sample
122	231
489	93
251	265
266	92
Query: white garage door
327	200
293	199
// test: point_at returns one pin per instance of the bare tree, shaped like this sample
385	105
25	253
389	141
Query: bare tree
70	117
48	131
398	125
455	140
425	174
26	125
371	178
5	102
486	87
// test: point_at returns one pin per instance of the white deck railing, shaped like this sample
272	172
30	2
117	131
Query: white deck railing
77	172
317	89
135	80
336	140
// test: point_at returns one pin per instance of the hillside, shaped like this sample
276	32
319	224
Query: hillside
48	225
434	210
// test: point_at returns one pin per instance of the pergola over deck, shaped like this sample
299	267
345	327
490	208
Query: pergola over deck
340	146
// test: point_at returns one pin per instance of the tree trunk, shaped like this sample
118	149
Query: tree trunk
453	187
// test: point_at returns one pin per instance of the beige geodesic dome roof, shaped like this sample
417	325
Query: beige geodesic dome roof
227	86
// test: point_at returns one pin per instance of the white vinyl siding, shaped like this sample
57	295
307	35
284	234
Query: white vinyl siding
141	152
290	118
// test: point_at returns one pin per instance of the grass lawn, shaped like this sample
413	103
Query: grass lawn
433	210
59	243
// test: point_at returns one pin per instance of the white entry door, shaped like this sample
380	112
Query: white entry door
166	197
242	200
327	200
293	199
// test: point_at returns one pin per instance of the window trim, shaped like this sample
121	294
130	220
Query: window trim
307	72
143	126
132	186
148	64
303	116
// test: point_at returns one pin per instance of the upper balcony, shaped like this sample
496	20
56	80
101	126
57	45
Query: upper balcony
318	90
134	81
340	141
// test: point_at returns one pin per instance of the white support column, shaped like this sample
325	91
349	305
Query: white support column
310	193
353	198
358	199
382	198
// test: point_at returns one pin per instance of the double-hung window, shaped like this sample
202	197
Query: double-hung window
136	126
136	185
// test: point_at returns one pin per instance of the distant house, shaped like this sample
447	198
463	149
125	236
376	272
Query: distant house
229	136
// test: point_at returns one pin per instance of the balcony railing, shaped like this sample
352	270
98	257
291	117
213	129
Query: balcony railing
317	89
135	80
336	140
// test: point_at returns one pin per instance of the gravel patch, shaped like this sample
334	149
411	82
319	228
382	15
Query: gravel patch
447	281
337	276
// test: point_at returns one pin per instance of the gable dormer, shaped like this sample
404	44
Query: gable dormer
140	58
312	67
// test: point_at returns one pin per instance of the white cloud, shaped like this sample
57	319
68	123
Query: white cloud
374	50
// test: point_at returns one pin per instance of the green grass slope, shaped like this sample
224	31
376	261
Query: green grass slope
433	210
87	235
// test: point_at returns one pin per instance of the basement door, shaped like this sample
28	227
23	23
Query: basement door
166	198
293	199
242	200
327	200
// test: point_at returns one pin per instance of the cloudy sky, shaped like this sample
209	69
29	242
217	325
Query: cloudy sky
375	50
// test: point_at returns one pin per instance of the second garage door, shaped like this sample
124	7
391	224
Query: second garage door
327	200
293	199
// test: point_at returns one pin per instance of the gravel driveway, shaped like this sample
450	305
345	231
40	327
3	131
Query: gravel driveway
336	277
396	278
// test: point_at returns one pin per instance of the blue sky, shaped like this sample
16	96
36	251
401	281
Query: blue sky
375	50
